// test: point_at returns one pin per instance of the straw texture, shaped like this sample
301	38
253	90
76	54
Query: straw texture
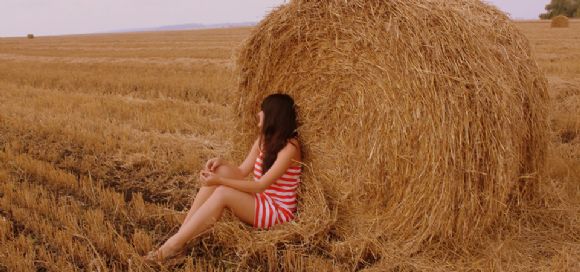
560	21
422	121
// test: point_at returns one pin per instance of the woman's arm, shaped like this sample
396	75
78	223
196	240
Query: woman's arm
283	161
212	164
248	164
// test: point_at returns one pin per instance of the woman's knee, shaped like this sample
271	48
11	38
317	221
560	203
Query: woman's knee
205	191
222	190
207	188
224	193
228	171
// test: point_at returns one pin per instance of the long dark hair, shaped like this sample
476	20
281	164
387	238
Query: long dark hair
279	126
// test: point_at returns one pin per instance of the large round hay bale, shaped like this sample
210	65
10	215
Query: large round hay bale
560	21
30	36
422	120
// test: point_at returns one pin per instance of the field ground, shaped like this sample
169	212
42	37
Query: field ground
101	137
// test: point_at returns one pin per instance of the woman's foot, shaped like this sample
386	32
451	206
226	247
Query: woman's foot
153	256
161	255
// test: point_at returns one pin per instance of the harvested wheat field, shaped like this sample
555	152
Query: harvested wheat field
102	138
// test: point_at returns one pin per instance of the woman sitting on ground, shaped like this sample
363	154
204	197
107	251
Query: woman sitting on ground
270	199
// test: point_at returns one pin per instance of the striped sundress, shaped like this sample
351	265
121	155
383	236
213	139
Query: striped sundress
277	204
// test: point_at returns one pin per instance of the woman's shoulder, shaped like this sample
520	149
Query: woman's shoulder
293	143
294	148
297	160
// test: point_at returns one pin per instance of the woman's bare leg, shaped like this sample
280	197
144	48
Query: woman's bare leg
242	204
226	171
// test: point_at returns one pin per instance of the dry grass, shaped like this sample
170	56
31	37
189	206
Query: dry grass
97	160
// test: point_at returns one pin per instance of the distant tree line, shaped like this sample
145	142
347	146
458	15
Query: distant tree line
569	8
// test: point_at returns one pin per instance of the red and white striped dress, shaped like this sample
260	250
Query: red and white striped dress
277	204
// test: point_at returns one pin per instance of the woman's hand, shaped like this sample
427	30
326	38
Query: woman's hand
213	164
208	178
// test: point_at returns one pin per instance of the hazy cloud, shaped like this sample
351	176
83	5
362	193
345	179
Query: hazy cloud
52	17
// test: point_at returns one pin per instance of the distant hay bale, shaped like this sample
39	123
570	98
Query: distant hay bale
30	36
422	120
560	21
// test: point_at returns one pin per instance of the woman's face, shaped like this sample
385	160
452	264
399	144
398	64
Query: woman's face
260	119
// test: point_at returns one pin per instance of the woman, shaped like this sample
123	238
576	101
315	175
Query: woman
270	199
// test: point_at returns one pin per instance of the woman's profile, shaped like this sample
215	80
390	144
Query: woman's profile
274	161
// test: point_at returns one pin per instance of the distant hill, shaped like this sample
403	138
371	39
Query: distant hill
187	27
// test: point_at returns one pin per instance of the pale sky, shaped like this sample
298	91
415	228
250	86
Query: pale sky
55	17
